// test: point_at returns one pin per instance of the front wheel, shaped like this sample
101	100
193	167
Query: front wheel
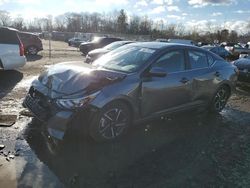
111	123
220	99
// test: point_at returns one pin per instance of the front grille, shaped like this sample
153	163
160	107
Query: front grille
38	104
33	105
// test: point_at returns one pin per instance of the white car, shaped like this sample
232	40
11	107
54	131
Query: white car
11	49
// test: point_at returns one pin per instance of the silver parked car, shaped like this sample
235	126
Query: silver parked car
131	84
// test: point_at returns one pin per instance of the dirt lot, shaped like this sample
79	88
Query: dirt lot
186	150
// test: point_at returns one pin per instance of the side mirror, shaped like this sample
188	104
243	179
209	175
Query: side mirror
157	72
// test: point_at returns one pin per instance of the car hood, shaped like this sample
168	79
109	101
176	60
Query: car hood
97	52
242	63
74	77
86	43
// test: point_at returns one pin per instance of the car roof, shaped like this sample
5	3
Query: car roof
8	28
209	47
122	42
160	45
27	33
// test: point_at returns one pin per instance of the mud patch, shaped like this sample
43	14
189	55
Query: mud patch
7	120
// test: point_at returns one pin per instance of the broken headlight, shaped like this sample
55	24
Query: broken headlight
73	103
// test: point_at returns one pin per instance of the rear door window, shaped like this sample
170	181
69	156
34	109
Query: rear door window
8	37
197	59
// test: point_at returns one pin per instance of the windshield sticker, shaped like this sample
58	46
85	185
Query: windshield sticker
147	50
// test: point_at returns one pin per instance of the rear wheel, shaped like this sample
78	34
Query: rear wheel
32	50
220	99
111	123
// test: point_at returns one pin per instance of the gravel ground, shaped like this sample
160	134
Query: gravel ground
186	150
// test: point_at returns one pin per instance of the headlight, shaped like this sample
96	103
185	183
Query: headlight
73	103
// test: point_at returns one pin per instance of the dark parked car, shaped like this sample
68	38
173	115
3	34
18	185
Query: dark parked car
133	83
31	42
243	65
98	42
237	49
222	52
94	54
75	42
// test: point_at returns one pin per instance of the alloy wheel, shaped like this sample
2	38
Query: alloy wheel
220	99
112	123
32	50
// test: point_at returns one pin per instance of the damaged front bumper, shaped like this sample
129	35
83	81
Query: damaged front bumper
56	121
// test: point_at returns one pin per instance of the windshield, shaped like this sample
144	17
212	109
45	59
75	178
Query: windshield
125	59
96	39
114	45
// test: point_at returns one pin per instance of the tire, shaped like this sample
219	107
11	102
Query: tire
32	50
111	123
220	99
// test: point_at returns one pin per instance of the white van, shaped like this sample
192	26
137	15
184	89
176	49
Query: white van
11	49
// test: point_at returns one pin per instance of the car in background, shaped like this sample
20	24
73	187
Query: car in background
31	42
11	49
236	49
181	41
94	54
222	52
98	42
161	40
243	55
243	65
178	41
131	84
75	42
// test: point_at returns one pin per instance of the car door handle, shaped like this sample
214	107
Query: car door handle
184	80
217	74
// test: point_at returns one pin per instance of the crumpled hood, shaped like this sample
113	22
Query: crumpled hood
72	77
243	63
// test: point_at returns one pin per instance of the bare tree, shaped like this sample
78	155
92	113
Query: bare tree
117	21
233	36
60	23
122	22
134	26
145	25
5	19
18	23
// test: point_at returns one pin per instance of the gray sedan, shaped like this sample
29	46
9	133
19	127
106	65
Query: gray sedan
133	83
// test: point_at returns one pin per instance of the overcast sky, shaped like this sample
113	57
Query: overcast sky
233	14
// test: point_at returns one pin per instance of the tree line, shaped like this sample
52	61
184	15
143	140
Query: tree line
119	22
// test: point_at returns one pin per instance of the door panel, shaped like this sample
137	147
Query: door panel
159	94
162	93
202	75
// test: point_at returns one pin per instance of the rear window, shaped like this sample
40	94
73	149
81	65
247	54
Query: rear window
197	59
8	37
